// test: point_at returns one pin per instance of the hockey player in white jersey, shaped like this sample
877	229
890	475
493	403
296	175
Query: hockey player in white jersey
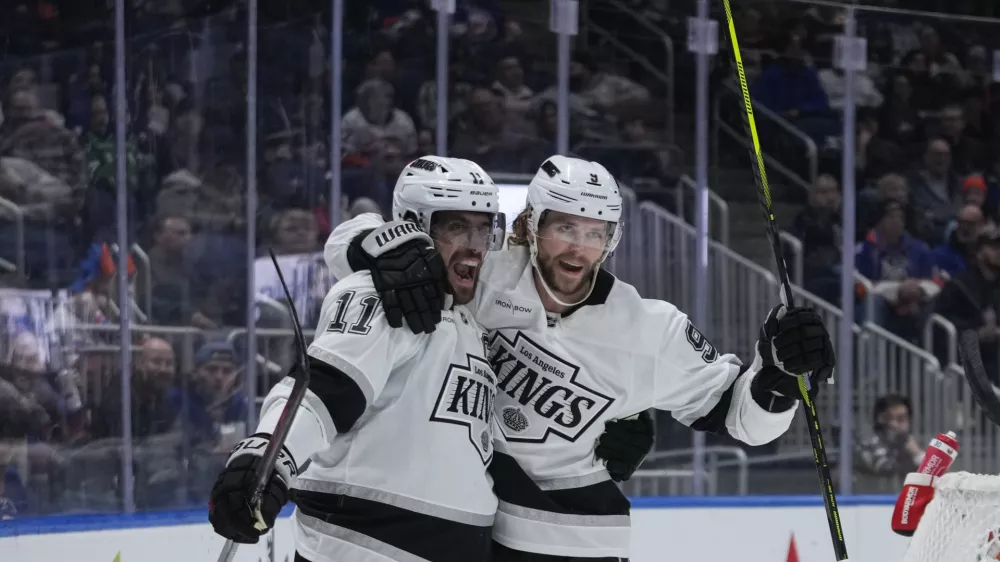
575	349
396	427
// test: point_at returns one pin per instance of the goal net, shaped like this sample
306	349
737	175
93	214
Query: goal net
960	521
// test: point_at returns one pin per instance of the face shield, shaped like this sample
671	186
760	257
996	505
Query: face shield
576	231
463	231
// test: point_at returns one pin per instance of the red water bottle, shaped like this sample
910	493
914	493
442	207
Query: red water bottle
940	454
918	489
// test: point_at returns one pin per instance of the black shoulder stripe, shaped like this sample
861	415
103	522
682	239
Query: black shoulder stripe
339	393
715	420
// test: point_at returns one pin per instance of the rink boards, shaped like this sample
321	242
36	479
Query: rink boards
748	529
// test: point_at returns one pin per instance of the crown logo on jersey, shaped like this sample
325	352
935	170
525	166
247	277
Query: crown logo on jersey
515	419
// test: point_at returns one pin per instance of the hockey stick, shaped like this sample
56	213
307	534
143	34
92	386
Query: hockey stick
764	195
975	373
280	433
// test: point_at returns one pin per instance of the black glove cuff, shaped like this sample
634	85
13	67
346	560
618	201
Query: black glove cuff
766	398
357	258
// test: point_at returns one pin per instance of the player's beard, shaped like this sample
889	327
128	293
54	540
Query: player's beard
567	287
462	278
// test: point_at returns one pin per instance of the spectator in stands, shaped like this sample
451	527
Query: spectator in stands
28	405
897	264
971	299
792	89
57	392
294	231
83	88
818	227
170	270
375	127
875	154
929	90
28	133
599	99
974	191
866	95
891	186
940	62
979	124
100	149
153	410
182	150
959	251
518	99
888	252
934	191
215	399
212	201
891	452
900	119
968	154
487	139
459	88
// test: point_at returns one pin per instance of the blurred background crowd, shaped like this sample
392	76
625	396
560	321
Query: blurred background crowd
927	172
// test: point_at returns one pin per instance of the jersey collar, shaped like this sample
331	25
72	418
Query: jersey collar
602	288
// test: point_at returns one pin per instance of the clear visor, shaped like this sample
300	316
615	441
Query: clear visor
464	232
597	235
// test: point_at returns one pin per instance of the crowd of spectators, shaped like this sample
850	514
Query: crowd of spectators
61	381
926	160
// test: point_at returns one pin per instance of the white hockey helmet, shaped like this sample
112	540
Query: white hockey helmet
435	183
575	187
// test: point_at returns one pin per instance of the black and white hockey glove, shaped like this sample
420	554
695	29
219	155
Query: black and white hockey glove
793	341
227	508
624	445
407	271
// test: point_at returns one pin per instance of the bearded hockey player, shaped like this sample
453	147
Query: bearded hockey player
574	349
396	425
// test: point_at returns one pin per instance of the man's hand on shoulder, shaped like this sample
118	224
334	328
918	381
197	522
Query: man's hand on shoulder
407	271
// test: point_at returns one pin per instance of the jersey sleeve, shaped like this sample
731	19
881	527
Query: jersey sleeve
354	337
335	249
703	388
354	352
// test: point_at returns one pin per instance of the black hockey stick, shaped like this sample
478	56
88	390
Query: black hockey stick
280	433
764	194
975	373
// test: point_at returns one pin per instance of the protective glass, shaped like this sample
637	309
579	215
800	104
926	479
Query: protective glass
597	235
461	233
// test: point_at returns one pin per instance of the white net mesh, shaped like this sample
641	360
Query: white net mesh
957	523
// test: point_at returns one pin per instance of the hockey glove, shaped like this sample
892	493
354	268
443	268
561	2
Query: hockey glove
624	444
228	508
407	271
792	342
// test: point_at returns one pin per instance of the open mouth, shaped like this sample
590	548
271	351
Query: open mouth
465	272
570	268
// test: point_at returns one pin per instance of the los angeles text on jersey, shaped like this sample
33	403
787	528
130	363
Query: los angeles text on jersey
538	393
466	399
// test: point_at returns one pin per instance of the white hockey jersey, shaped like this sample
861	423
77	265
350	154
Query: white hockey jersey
561	378
398	430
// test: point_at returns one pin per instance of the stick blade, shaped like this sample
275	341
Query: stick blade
977	377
